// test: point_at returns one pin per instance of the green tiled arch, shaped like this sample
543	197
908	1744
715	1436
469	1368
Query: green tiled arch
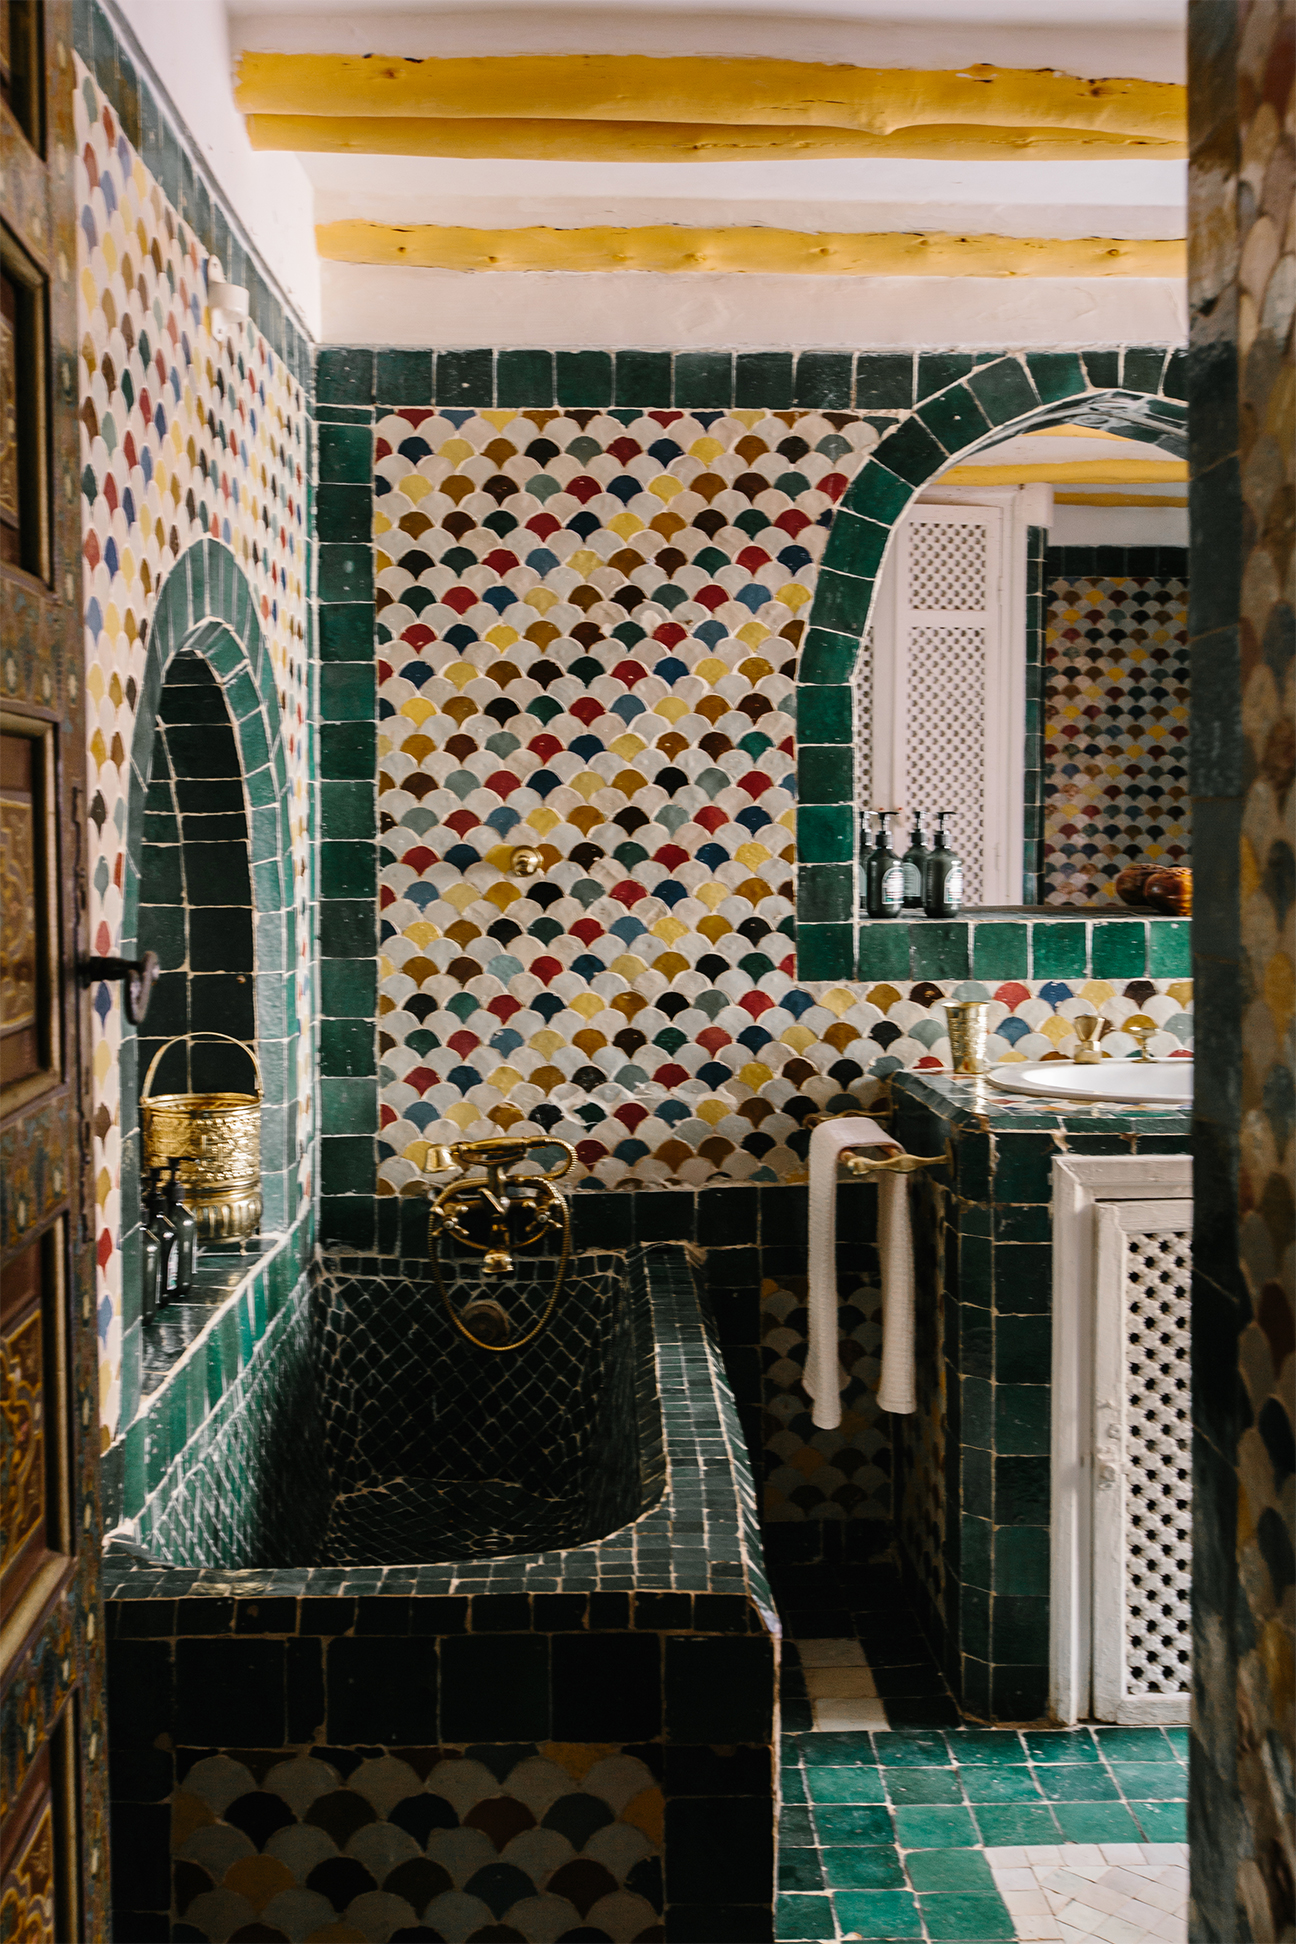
1133	393
206	606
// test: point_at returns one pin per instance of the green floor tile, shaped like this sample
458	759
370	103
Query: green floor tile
999	1784
1178	1740
923	1748
838	1822
878	1914
1152	1781
791	1785
981	1919
1162	1822
1062	1745
876	1868
795	1826
988	1747
1079	1783
835	1751
963	1870
800	1918
799	1869
845	1785
1134	1745
934	1828
1095	1822
1016	1823
906	1785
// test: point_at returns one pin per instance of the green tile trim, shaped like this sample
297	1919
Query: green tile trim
205	604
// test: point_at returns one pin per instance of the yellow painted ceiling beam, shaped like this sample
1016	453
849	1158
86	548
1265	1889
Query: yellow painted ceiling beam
771	252
1102	472
534	139
636	88
1118	499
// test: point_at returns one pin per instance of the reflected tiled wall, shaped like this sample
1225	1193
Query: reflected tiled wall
1116	788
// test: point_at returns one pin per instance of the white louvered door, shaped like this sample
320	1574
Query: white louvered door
1142	1472
943	728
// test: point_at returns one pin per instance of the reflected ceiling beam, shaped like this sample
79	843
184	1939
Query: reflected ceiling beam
745	250
1071	472
639	108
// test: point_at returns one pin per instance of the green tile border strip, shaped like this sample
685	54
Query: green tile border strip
206	606
476	378
346	848
156	130
995	946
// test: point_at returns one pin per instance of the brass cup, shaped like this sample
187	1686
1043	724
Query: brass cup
1086	1027
1140	1028
968	1026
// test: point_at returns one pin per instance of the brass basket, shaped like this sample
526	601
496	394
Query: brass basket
215	1141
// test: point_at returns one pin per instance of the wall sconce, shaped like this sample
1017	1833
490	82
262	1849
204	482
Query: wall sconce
228	302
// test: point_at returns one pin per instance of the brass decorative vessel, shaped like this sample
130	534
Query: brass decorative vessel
214	1139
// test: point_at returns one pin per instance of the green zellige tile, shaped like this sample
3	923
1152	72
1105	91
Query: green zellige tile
980	1920
1096	1822
934	1828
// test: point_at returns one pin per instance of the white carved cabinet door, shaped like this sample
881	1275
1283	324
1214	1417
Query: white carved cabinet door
1142	1463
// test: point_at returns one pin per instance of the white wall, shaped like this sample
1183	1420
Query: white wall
186	42
636	310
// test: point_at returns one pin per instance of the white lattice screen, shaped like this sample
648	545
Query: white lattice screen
1143	1464
947	565
936	731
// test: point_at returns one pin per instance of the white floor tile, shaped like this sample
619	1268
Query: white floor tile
830	1653
840	1683
843	1716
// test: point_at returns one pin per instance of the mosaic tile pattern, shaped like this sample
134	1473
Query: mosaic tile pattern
588	625
1118	1893
437	1450
1116	787
534	1841
700	1533
181	439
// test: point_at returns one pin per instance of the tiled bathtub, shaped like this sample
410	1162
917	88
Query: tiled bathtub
570	1742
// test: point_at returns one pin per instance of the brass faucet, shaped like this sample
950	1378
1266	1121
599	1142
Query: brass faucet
533	1197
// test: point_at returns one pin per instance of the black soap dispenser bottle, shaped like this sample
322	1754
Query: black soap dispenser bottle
883	874
186	1237
914	861
942	874
163	1228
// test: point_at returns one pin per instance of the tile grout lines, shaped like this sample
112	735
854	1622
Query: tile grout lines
918	1833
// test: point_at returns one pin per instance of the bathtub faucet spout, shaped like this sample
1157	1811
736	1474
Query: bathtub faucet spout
497	1218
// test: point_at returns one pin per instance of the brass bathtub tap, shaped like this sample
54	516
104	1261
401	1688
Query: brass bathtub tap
530	1203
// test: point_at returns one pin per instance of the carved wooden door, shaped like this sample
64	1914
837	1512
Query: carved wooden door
53	1847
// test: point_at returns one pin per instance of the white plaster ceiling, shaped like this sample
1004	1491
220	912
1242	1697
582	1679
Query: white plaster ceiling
281	196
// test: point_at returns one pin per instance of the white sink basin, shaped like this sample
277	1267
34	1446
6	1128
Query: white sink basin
1151	1083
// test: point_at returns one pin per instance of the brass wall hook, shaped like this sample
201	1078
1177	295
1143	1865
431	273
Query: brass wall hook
525	861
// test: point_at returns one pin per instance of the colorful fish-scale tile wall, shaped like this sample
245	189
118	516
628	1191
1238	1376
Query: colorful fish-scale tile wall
481	1841
587	626
1116	787
183	439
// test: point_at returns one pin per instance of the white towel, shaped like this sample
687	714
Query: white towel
823	1375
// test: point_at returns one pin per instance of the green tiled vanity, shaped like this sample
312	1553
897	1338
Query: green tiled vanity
973	1477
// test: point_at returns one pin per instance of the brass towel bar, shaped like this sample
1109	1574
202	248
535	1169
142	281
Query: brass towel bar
857	1163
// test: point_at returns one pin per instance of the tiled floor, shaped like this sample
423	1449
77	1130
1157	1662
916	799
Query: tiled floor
923	1829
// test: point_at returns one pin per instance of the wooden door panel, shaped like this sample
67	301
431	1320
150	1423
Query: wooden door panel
52	1739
